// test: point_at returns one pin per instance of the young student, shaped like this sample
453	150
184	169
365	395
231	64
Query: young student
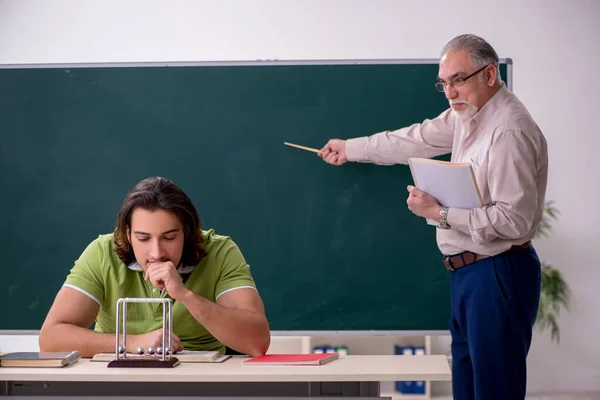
159	248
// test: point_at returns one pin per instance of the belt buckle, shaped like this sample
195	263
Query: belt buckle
448	264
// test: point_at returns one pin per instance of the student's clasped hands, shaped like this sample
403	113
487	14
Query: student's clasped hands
164	275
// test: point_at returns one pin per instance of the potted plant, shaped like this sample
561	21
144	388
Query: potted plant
555	291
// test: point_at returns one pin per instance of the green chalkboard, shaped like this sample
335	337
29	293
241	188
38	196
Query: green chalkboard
331	248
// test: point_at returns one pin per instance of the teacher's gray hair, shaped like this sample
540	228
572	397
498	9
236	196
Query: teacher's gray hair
480	52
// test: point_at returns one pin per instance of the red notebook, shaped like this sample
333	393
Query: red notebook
292	359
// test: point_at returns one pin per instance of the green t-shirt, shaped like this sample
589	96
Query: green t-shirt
101	275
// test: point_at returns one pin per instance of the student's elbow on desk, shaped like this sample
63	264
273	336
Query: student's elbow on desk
260	340
70	308
259	349
59	336
263	346
47	339
44	342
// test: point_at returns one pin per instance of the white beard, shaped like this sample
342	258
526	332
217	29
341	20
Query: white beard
465	114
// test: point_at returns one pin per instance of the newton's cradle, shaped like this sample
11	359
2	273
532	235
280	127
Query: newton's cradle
162	356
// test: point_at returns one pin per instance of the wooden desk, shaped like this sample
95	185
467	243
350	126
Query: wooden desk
357	376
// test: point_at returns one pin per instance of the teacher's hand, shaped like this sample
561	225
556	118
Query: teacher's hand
334	152
423	204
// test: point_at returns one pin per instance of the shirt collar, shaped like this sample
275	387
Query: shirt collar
491	106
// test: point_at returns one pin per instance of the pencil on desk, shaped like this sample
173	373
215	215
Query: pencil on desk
302	147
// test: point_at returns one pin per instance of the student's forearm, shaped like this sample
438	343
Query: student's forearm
242	330
68	337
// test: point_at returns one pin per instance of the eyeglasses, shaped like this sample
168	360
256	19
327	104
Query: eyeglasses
458	82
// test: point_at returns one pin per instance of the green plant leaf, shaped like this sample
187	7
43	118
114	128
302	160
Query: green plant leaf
549	215
555	293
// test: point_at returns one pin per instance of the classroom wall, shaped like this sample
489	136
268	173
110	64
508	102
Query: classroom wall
554	45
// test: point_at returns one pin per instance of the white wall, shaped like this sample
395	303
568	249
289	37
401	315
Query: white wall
554	45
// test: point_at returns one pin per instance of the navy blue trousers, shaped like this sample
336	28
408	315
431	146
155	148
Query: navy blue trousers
494	304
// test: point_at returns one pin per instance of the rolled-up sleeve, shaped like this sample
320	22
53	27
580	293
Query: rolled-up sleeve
428	139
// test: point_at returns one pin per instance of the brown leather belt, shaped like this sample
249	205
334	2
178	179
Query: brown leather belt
452	263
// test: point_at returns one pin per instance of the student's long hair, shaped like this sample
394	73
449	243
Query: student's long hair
159	193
